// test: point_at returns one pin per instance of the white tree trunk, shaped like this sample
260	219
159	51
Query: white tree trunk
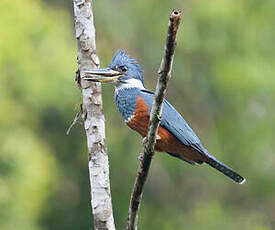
93	117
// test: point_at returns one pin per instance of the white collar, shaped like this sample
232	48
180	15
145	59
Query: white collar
130	83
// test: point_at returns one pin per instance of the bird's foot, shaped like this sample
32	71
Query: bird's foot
143	140
140	157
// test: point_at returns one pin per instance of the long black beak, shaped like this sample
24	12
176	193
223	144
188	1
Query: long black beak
102	75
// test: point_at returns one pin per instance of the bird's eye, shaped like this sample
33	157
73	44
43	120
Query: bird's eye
122	68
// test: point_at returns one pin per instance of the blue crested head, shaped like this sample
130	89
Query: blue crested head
124	71
130	68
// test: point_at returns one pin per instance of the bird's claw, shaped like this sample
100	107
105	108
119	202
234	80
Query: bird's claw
140	157
144	140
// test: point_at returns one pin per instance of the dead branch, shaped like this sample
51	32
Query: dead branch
155	117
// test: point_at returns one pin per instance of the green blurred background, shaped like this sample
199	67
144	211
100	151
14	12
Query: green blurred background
223	82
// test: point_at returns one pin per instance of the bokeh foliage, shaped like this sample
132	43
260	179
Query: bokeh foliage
223	82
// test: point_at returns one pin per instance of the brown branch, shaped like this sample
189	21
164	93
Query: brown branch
155	117
93	117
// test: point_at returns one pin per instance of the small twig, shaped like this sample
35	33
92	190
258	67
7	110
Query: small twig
155	117
77	116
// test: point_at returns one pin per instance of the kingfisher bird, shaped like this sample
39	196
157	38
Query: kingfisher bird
134	103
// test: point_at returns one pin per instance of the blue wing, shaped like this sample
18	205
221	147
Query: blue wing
175	123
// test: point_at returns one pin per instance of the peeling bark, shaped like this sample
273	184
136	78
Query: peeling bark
93	117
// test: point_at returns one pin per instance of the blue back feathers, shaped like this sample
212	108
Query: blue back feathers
133	68
126	100
173	121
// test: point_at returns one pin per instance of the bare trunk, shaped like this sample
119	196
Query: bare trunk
93	117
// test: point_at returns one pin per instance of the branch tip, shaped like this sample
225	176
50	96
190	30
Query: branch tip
176	14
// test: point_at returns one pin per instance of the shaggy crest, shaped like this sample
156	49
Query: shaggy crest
134	69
